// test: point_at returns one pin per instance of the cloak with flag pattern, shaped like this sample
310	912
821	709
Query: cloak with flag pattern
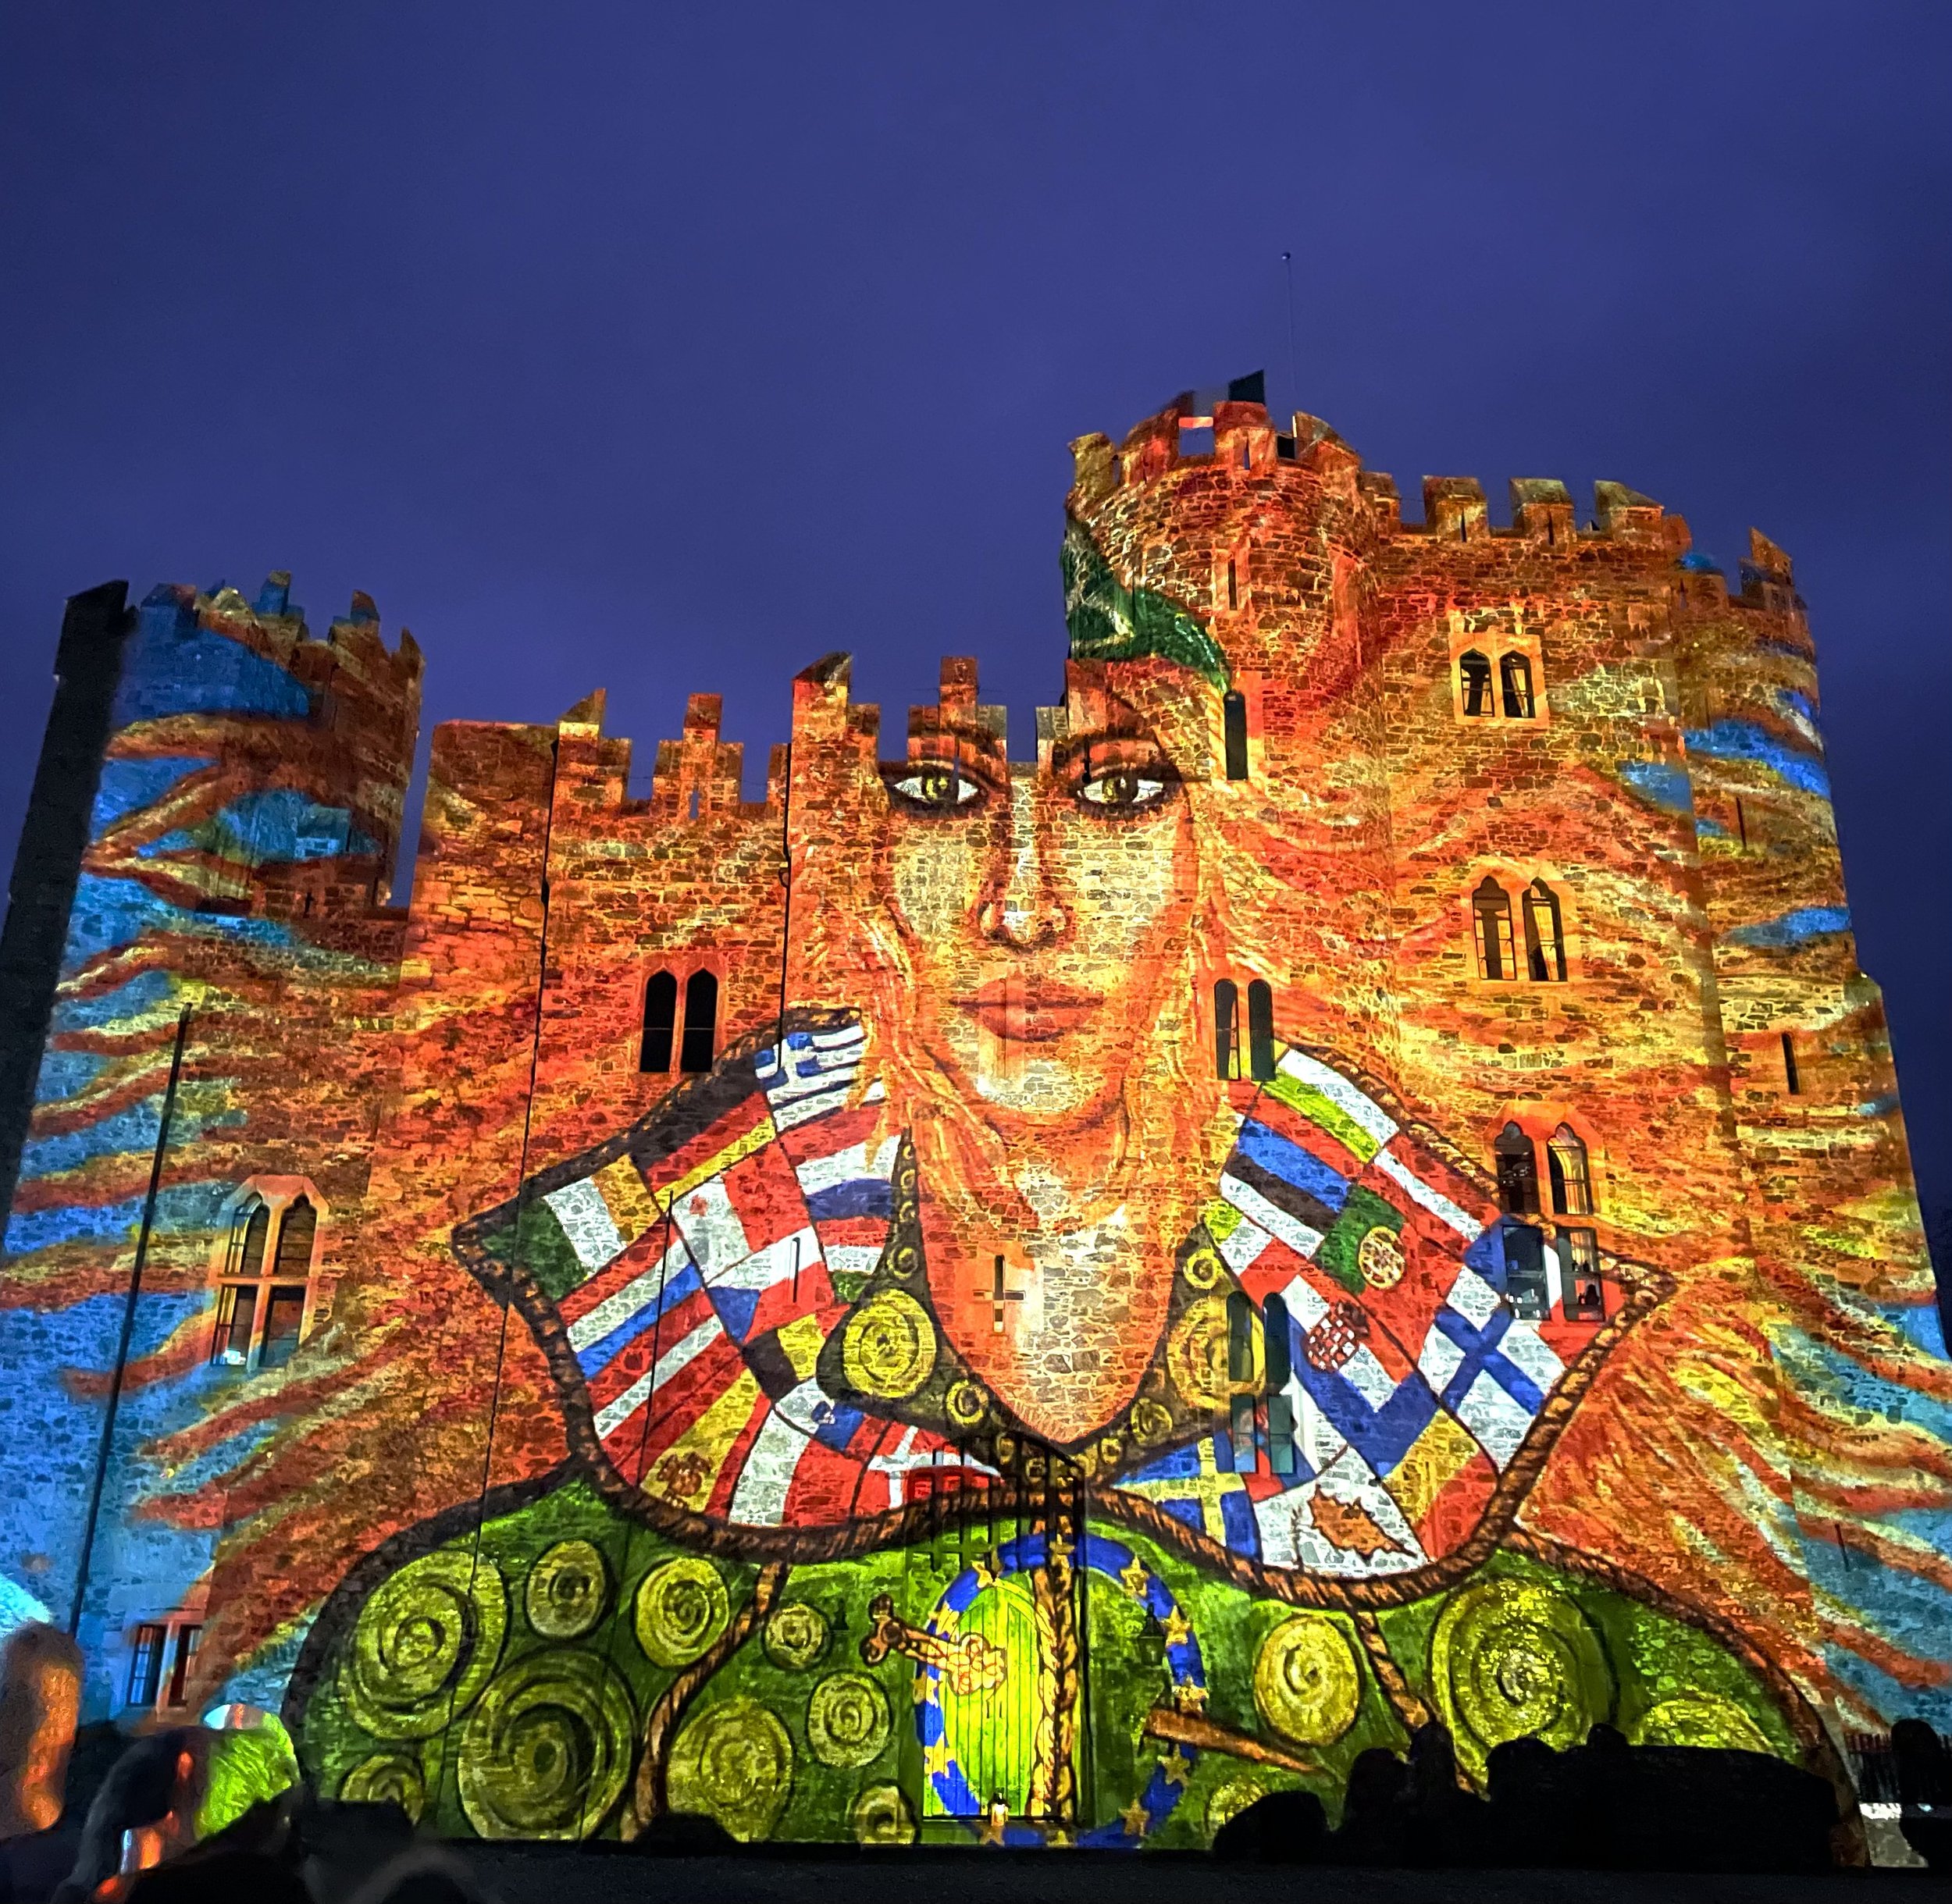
731	1297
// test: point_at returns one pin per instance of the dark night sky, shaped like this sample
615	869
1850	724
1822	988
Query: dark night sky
666	347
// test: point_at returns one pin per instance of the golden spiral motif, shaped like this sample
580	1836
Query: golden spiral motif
1151	1421
1203	1268
734	1762
902	1260
546	1750
1196	1353
1511	1659
889	1346
795	1636
847	1719
1699	1719
883	1816
682	1608
1306	1681
965	1403
1229	1800
566	1590
1379	1256
386	1778
425	1644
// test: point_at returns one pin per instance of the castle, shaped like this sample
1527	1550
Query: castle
1353	1176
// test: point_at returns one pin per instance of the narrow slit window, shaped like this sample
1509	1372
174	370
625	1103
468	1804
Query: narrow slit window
1585	1292
1260	1031
1517	1172
296	1235
661	1022
1525	1287
250	1233
701	1023
237	1310
1515	677
1492	913
1545	938
145	1664
1240	1433
188	1640
1572	1177
1233	582
1239	1338
284	1317
1227	1029
1277	1364
1792	1077
1234	723
1741	826
1474	674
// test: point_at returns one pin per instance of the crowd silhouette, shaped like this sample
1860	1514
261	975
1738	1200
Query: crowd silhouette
212	1813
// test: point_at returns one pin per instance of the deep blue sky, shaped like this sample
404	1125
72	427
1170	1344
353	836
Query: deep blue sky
665	347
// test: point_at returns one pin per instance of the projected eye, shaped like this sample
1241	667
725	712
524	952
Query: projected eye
935	789
1124	790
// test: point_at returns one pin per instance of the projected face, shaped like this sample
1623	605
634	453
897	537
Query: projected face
1042	909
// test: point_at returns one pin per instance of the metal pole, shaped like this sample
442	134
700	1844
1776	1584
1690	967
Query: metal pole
129	1318
1294	362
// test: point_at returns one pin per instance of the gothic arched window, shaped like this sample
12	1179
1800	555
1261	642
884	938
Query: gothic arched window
1514	677
1226	1028
263	1286
1492	916
1260	1031
1474	675
661	1022
1234	723
1565	1164
1545	935
249	1233
1517	1172
701	1023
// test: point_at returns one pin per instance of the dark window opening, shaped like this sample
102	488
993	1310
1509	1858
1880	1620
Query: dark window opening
1791	1076
1741	826
145	1665
1239	1338
1240	1433
1247	456
295	1237
1227	1029
692	811
1233	584
1283	449
1526	1289
1585	1292
701	1023
236	1309
1491	914
249	1233
284	1314
1474	671
1234	723
1260	1031
661	1022
1565	1164
188	1640
1544	940
1281	1435
1277	1361
1515	677
1517	1172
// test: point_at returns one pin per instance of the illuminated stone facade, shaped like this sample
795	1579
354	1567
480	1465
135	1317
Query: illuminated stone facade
1362	1157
